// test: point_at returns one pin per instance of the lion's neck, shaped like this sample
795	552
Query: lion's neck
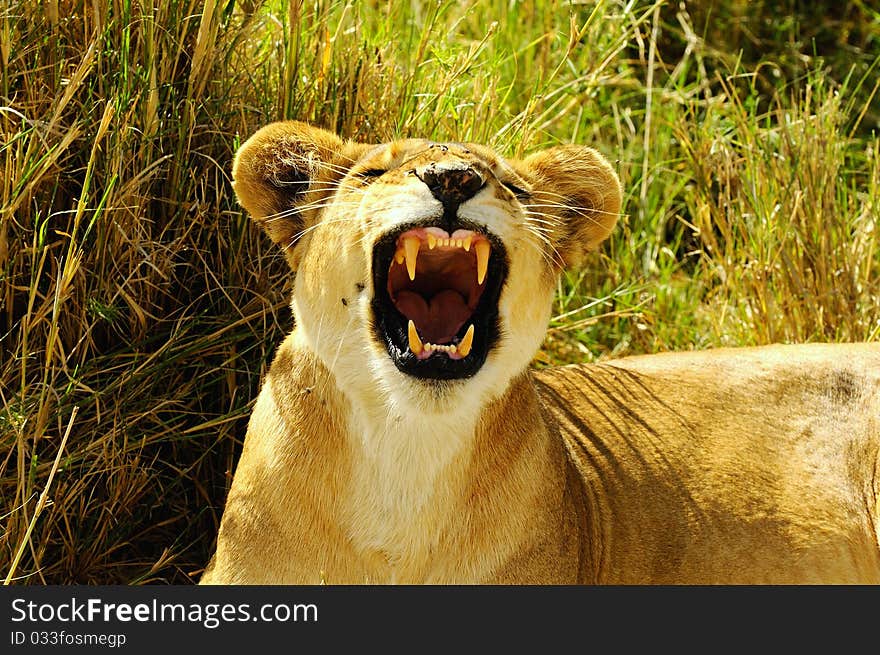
408	470
445	496
429	486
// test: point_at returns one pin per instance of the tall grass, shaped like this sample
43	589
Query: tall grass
133	289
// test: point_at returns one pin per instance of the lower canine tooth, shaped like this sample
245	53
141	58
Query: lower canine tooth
415	344
467	342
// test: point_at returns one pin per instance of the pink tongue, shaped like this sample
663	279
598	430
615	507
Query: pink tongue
438	321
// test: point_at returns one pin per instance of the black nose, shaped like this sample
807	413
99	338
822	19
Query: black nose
451	183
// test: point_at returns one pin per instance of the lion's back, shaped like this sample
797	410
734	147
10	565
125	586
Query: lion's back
759	455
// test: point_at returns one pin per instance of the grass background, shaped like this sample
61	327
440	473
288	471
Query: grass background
139	308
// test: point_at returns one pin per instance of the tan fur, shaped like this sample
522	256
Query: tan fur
729	466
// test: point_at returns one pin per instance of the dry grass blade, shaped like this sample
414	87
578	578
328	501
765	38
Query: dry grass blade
41	503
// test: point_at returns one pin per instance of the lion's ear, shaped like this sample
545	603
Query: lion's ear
578	193
275	170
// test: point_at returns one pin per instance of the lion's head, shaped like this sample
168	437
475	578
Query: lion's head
424	271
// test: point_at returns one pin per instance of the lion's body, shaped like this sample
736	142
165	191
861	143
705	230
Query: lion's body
754	465
672	471
370	461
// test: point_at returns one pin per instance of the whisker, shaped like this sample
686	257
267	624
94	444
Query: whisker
296	237
575	208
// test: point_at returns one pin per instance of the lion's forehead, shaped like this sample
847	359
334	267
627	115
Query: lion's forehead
405	154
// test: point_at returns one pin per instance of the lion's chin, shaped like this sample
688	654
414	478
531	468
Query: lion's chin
435	303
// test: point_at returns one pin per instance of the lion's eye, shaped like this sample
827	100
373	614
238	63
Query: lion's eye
517	191
371	173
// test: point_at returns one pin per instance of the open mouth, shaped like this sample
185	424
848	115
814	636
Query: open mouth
436	299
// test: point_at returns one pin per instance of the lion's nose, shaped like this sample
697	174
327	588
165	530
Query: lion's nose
451	183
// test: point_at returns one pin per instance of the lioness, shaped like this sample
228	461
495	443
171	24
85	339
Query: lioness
401	436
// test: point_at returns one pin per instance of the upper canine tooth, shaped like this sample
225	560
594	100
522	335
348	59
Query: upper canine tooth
482	248
415	344
411	251
464	346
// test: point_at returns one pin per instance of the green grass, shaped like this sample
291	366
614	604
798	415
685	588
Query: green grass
133	288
